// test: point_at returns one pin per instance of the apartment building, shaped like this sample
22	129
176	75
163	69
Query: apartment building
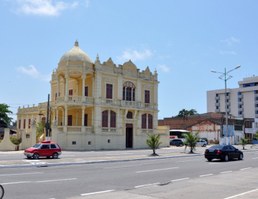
239	102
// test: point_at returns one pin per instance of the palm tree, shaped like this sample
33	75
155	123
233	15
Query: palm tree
153	142
5	120
243	142
190	140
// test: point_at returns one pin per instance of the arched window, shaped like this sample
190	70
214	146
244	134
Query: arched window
150	121
109	119
113	119
147	121
105	119
144	121
129	91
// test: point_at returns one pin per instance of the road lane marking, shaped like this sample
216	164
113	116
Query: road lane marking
255	158
180	179
155	170
98	192
241	194
243	169
206	175
18	182
56	180
224	172
19	174
187	161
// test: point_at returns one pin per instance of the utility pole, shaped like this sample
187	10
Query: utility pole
47	123
225	77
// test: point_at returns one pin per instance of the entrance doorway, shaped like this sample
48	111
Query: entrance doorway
129	136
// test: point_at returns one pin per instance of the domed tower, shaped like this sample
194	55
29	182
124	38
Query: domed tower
71	83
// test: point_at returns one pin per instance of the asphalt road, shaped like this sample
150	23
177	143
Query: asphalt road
179	177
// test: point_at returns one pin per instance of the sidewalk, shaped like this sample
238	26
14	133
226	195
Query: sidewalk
169	152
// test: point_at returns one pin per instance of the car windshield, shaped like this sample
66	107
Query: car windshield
36	146
217	147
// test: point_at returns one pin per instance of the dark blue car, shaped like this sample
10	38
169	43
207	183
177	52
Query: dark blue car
223	152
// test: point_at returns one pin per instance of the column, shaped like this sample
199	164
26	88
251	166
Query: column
83	114
83	87
66	86
58	87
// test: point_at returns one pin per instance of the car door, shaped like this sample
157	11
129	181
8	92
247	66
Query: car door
44	151
234	152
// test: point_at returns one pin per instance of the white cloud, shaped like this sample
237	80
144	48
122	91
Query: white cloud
230	41
32	71
135	55
44	7
227	52
164	68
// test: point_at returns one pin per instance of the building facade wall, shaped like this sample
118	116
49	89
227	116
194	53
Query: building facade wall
98	105
242	101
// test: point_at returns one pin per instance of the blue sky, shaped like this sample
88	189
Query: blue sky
182	39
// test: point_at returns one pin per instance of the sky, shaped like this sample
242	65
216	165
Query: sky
182	39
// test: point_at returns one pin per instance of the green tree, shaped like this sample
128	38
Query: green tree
256	135
185	113
40	130
5	120
153	142
243	142
190	140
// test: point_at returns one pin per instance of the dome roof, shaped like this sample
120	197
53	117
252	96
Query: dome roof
75	54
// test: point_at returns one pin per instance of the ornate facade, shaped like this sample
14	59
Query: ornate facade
97	105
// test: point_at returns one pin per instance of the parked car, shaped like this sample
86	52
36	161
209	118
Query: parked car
44	149
223	152
176	142
201	143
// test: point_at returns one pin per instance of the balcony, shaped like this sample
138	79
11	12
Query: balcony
79	100
75	100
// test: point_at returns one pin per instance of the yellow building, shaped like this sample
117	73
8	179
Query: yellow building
96	105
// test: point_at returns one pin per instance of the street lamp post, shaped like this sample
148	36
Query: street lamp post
225	77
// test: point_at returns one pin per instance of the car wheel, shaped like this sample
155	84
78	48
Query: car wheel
226	158
240	157
209	159
55	156
35	156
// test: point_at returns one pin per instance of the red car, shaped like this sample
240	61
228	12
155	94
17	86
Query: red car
44	149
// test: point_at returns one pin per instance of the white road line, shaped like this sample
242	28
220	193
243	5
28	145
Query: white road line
187	161
241	194
18	182
206	175
224	172
179	179
154	170
56	180
145	185
19	174
98	192
243	169
255	158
